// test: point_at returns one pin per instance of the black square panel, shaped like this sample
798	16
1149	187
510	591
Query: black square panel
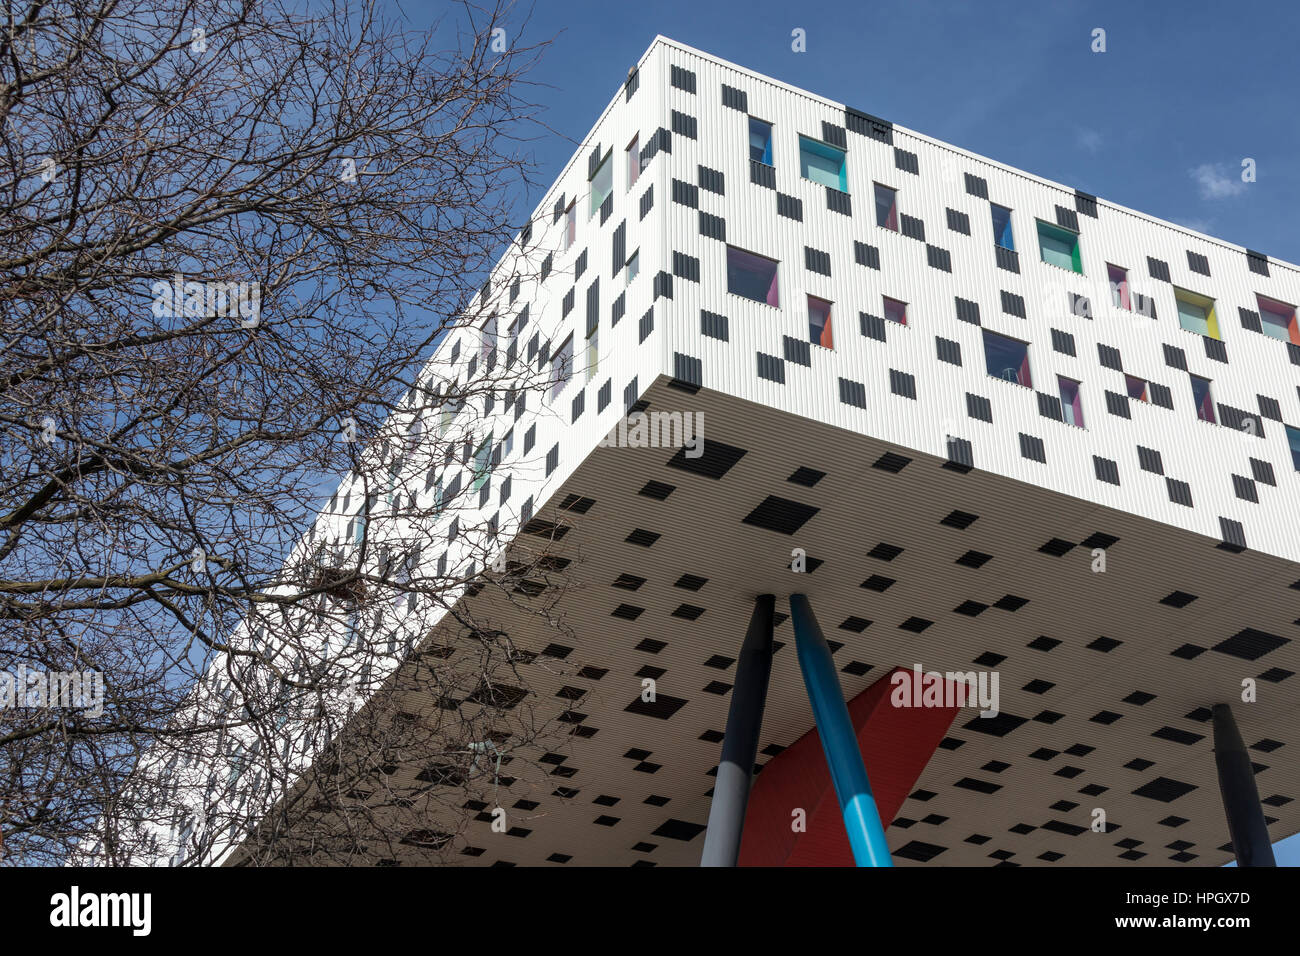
1250	644
915	624
959	519
878	582
885	552
970	608
688	612
1056	547
662	707
628	582
974	559
1104	644
714	461
679	830
997	726
855	624
1164	789
1178	599
891	462
1043	643
806	477
657	490
690	582
1010	602
780	515
642	537
918	851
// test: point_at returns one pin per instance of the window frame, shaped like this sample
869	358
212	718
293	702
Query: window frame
774	286
1008	230
1268	306
1025	370
1206	402
1052	231
1076	406
605	167
885	302
1203	302
809	146
827	328
633	155
766	156
889	220
1121	295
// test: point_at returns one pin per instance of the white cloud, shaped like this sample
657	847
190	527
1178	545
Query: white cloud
1089	140
1215	183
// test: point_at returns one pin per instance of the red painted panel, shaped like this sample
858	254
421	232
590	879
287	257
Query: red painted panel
896	742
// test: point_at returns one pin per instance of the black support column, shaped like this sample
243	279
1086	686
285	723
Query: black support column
1246	823
740	745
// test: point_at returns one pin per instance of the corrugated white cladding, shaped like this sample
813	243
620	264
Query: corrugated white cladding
1203	455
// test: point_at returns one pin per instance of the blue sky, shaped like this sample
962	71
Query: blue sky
1160	122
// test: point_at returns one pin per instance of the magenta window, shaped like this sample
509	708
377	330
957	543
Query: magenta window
1118	286
1071	403
752	276
895	311
819	322
886	207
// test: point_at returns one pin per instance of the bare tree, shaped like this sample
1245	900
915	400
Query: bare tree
232	233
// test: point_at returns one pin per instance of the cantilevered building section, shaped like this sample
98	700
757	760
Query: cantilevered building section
980	421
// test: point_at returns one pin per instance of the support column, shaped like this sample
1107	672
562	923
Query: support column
740	745
1246	824
839	742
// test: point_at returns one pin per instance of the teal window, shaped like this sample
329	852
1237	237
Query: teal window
1059	247
1002	227
822	164
482	460
602	184
760	141
1293	440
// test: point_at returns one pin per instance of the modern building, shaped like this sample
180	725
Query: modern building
981	422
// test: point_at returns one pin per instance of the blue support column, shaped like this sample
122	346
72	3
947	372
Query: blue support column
1246	824
843	755
740	745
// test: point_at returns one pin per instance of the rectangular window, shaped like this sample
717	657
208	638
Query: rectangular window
1136	388
895	311
633	266
489	336
1293	441
1007	358
886	207
602	184
1196	313
1119	296
823	164
1278	319
752	276
508	444
1201	396
1059	247
1071	403
482	458
633	162
819	322
570	226
760	141
561	367
1002	234
593	353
